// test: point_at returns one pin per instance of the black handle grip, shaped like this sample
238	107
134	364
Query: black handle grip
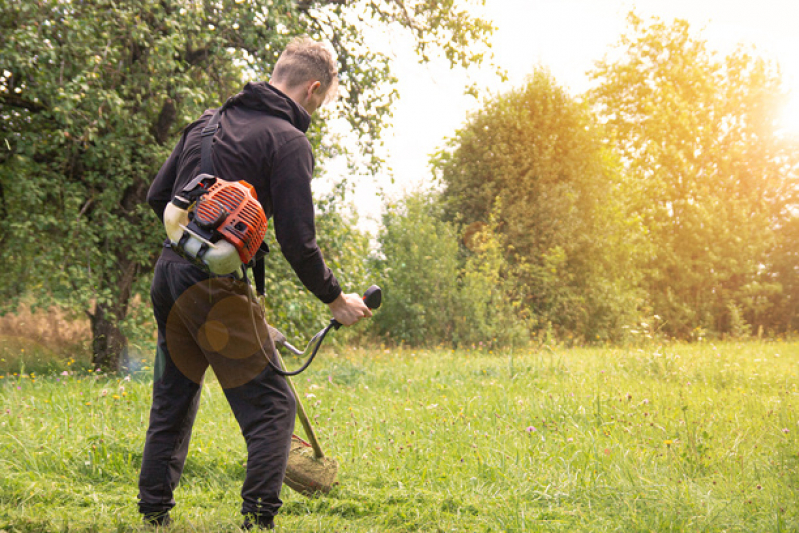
373	297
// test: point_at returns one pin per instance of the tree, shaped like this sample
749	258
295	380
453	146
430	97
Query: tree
563	220
711	179
94	94
419	272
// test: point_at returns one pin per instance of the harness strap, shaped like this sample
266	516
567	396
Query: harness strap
207	146
207	167
259	274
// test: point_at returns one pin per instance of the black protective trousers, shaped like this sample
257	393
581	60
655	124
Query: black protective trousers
206	321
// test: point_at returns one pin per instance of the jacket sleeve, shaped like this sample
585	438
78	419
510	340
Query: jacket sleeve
293	216
160	193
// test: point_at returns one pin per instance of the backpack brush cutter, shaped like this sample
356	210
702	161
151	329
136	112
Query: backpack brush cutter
309	471
219	226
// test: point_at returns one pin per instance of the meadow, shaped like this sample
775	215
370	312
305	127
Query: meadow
662	437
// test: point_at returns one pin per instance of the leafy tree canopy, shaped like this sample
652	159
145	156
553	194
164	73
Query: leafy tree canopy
93	95
711	179
539	152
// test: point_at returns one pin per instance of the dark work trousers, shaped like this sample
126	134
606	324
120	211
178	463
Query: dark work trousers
206	321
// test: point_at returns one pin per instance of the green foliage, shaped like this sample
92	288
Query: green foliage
94	94
433	292
782	313
564	220
418	268
489	306
710	178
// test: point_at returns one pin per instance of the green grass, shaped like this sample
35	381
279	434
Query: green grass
663	438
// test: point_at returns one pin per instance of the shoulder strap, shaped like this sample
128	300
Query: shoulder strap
207	148
207	167
259	275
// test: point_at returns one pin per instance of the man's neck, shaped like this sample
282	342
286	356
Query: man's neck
295	93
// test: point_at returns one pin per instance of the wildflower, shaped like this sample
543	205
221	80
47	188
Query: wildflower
104	393
115	397
570	439
785	430
127	378
530	429
668	443
64	373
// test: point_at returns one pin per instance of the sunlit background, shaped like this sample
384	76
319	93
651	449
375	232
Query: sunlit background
566	37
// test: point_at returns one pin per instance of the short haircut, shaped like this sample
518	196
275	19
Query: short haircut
306	60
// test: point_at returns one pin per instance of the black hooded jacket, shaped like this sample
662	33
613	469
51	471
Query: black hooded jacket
261	140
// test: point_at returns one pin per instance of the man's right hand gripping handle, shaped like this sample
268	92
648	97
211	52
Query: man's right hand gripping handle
348	309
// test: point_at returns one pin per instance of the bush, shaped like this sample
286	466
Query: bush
418	266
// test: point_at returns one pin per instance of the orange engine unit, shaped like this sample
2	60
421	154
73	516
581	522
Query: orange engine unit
232	209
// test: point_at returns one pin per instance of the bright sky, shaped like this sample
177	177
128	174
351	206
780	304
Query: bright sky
567	37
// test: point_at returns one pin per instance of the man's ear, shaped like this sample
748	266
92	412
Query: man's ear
313	87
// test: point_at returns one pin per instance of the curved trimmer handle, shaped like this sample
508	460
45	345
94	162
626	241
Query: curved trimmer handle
373	297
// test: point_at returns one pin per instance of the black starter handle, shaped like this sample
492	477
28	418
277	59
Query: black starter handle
373	297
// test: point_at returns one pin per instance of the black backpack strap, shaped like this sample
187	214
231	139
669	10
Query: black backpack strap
207	148
259	274
207	167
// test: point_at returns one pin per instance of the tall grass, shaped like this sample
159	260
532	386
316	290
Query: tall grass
664	438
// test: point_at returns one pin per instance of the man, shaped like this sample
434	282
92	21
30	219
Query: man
207	320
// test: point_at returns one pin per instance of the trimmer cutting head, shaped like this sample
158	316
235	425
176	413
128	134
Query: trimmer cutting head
308	474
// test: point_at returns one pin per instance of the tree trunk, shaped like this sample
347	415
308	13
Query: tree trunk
109	345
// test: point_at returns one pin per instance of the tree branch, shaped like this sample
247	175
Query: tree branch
305	5
16	101
166	118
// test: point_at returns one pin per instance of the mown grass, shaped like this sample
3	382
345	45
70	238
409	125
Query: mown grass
663	438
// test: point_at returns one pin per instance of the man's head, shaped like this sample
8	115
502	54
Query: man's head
307	72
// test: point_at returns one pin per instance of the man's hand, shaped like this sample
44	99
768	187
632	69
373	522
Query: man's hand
349	309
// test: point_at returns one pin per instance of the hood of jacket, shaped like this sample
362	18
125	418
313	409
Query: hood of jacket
264	97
